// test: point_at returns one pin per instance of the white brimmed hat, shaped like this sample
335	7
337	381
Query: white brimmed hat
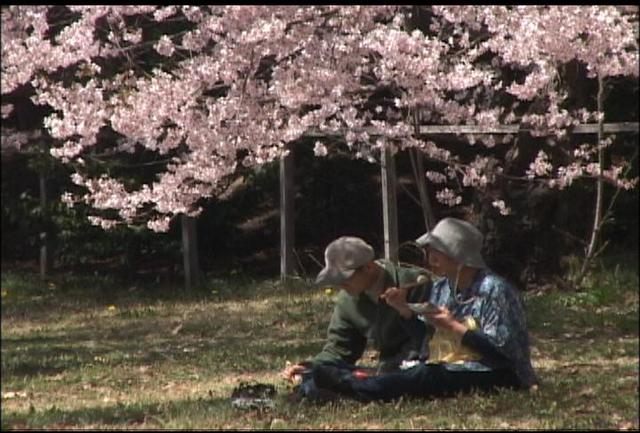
342	257
457	239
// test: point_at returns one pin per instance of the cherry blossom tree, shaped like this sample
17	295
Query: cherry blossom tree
205	91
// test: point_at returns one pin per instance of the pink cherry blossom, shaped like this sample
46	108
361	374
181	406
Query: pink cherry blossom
247	80
448	197
320	149
501	206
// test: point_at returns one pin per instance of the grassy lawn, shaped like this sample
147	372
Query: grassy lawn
97	353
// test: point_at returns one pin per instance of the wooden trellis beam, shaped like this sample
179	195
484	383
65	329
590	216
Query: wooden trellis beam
287	189
583	128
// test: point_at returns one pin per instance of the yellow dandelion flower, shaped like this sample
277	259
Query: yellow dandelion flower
111	308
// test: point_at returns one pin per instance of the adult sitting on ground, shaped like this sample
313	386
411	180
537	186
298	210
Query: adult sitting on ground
478	338
359	316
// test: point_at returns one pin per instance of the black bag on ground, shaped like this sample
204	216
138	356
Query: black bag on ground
253	395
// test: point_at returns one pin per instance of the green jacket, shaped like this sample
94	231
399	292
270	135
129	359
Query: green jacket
358	319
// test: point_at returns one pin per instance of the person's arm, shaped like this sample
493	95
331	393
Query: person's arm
480	342
344	343
398	295
484	340
441	317
495	332
414	327
396	298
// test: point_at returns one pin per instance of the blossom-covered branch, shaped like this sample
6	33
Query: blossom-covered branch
218	88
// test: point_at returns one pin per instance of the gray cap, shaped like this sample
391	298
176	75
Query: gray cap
342	257
457	239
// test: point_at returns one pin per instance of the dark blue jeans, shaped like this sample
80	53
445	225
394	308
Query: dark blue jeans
310	390
428	380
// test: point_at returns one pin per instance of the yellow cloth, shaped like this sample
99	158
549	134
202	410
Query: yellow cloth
445	346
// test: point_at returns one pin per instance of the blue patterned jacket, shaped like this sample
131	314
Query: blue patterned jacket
497	309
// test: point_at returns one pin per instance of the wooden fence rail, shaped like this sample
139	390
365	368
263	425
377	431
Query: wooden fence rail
388	177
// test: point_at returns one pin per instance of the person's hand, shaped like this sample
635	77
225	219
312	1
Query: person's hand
293	372
396	297
442	318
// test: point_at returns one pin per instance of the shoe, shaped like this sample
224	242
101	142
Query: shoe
333	379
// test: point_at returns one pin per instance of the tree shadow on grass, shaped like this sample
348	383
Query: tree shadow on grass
150	343
209	333
137	415
33	300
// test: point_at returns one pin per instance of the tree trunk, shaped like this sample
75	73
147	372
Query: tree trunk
45	244
190	251
597	219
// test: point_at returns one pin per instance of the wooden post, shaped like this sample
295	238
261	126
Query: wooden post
389	206
287	231
45	250
418	172
427	209
190	251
